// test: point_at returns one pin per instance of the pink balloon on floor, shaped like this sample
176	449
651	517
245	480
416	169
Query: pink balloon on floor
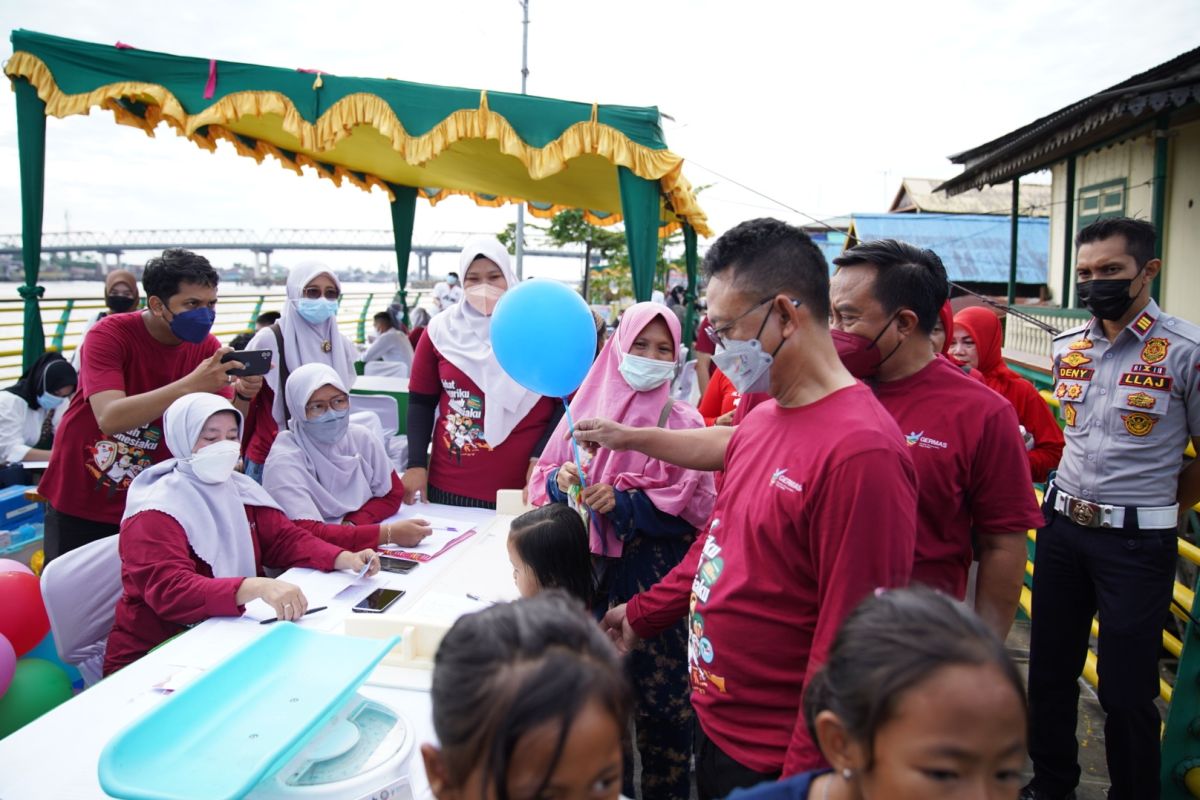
9	565
8	664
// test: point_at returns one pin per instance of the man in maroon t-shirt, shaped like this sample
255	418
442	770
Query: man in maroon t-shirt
135	365
965	439
817	510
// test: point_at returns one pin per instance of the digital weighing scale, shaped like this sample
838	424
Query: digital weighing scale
281	719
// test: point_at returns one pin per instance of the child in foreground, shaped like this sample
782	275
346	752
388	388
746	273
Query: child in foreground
917	700
529	702
548	548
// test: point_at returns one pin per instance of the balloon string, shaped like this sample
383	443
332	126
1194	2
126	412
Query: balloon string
582	478
574	444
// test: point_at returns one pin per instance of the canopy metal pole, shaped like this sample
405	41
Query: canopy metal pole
520	249
1012	256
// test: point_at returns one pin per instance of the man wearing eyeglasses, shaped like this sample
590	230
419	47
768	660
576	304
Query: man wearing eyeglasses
793	544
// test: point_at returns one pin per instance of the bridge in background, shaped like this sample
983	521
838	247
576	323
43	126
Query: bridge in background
114	244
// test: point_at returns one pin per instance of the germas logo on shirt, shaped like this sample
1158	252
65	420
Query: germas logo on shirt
919	438
780	480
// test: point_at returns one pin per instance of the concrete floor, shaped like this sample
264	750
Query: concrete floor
1093	784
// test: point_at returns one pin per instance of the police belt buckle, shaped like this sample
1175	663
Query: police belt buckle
1085	514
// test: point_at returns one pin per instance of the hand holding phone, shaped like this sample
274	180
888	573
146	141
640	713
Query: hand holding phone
255	362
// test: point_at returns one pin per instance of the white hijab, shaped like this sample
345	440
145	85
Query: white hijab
303	342
463	336
313	480
212	515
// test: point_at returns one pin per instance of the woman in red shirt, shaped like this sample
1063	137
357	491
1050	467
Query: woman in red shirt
976	343
324	470
720	400
196	536
489	430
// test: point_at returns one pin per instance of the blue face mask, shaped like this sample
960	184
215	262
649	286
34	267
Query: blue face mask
318	310
50	401
193	326
329	427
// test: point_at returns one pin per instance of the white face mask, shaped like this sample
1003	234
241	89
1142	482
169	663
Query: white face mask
215	463
643	374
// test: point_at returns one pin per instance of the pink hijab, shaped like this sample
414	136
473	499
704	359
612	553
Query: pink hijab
685	493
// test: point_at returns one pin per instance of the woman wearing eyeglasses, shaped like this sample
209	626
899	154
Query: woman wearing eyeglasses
324	470
307	333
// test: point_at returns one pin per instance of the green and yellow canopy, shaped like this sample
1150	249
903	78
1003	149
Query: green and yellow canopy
409	140
490	146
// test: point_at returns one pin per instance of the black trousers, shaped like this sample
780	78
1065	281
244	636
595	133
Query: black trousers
64	532
1127	577
718	774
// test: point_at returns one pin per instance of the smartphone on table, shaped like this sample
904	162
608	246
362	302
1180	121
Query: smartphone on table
390	563
257	362
378	601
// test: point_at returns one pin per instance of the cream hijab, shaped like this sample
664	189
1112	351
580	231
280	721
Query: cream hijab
463	336
212	515
313	480
303	342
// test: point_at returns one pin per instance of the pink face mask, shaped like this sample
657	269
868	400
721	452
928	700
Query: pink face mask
483	297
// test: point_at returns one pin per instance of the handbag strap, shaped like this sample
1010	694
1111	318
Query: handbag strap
666	412
283	372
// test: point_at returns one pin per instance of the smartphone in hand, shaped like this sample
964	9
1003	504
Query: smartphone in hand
257	362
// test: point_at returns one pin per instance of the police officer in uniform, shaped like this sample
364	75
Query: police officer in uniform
1127	384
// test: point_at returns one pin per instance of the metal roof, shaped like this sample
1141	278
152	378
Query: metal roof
920	195
974	247
1123	110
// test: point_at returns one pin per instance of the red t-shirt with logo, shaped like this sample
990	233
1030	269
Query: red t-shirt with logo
972	469
818	509
90	471
462	462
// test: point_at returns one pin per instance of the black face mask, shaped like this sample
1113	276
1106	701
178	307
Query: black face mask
119	304
1108	298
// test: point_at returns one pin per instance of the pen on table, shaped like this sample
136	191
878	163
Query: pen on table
306	613
479	599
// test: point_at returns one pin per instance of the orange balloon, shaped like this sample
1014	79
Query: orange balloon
23	619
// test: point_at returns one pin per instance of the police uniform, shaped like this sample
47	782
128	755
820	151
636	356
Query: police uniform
1109	544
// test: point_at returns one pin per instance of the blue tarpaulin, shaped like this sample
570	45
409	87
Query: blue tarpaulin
974	247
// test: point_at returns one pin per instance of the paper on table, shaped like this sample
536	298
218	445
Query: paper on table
444	608
318	587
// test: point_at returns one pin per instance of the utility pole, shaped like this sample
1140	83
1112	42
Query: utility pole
524	77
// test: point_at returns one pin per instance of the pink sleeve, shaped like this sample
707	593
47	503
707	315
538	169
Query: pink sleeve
377	509
289	544
156	558
665	603
1001	492
854	555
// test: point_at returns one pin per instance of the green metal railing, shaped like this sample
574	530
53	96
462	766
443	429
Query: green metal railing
64	319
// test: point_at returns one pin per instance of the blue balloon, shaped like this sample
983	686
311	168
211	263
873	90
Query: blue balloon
46	651
544	337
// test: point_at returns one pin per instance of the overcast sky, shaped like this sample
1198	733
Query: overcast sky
821	106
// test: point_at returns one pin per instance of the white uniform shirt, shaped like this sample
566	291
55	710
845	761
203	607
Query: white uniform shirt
390	354
445	295
20	427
